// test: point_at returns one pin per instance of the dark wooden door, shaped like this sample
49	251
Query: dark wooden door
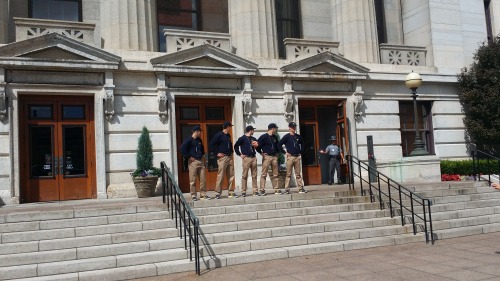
57	148
210	114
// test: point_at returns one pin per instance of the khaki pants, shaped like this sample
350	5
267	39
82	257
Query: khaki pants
293	162
266	162
226	167
197	169
249	163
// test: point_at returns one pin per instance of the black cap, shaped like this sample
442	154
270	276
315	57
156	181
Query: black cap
249	128
292	125
272	126
197	128
333	138
227	124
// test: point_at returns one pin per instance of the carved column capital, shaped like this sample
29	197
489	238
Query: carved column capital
288	99
162	90
3	96
247	98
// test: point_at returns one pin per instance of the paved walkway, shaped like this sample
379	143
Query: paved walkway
466	258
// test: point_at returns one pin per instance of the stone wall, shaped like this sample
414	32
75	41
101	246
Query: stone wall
5	163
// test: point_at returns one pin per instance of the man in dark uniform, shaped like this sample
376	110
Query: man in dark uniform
222	145
268	145
192	149
294	148
245	148
335	155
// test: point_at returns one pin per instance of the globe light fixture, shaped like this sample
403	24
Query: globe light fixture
413	81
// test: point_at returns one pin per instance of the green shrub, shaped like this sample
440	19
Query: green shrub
466	167
144	156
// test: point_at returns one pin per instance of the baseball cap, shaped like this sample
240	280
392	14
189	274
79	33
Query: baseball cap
272	126
227	124
197	128
333	138
249	128
292	125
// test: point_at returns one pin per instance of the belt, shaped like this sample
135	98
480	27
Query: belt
199	159
295	155
251	156
271	154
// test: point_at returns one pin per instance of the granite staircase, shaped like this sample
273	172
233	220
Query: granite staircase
134	239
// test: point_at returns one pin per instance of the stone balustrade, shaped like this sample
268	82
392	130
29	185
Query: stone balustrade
402	55
29	28
178	40
297	49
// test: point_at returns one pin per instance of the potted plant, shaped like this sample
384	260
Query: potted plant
145	176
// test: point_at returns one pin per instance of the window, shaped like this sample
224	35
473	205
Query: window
407	125
177	14
380	16
287	22
487	11
70	10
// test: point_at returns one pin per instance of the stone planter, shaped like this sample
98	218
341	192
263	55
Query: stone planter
145	186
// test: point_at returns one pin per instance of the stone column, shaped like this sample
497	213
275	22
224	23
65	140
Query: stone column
4	21
252	25
354	26
129	24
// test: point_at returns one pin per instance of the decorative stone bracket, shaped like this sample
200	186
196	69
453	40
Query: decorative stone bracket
358	102
288	101
109	96
162	89
247	98
3	103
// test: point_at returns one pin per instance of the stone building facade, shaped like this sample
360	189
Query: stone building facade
80	78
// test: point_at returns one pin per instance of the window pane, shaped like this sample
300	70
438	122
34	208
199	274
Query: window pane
190	113
287	22
41	151
176	14
73	111
407	126
215	113
40	111
306	114
212	157
74	151
309	137
56	9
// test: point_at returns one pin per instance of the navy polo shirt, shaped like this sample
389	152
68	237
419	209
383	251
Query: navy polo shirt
221	143
268	144
192	148
244	146
294	144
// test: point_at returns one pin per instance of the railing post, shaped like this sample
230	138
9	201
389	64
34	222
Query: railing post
390	198
488	169
379	192
401	205
430	220
425	222
349	164
413	214
360	178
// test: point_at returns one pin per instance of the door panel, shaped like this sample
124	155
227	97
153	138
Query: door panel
310	167
59	152
343	138
209	114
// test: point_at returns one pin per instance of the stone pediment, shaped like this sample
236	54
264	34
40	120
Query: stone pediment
55	51
326	65
204	59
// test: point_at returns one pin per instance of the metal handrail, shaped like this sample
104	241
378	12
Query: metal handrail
185	219
385	188
478	155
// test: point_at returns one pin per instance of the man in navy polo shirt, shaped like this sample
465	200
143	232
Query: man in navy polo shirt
294	148
245	148
192	148
268	144
222	146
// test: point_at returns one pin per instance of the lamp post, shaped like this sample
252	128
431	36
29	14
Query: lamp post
413	81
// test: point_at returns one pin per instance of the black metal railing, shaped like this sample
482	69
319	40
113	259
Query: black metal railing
485	164
185	220
389	193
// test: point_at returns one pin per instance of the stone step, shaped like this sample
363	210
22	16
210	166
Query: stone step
204	211
444	185
466	231
293	212
91	264
13	214
294	196
275	230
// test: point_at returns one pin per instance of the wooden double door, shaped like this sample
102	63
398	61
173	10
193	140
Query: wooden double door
319	121
57	148
210	115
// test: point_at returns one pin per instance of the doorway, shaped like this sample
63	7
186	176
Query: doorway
319	120
57	148
209	114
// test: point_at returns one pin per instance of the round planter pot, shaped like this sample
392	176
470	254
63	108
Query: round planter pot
145	186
